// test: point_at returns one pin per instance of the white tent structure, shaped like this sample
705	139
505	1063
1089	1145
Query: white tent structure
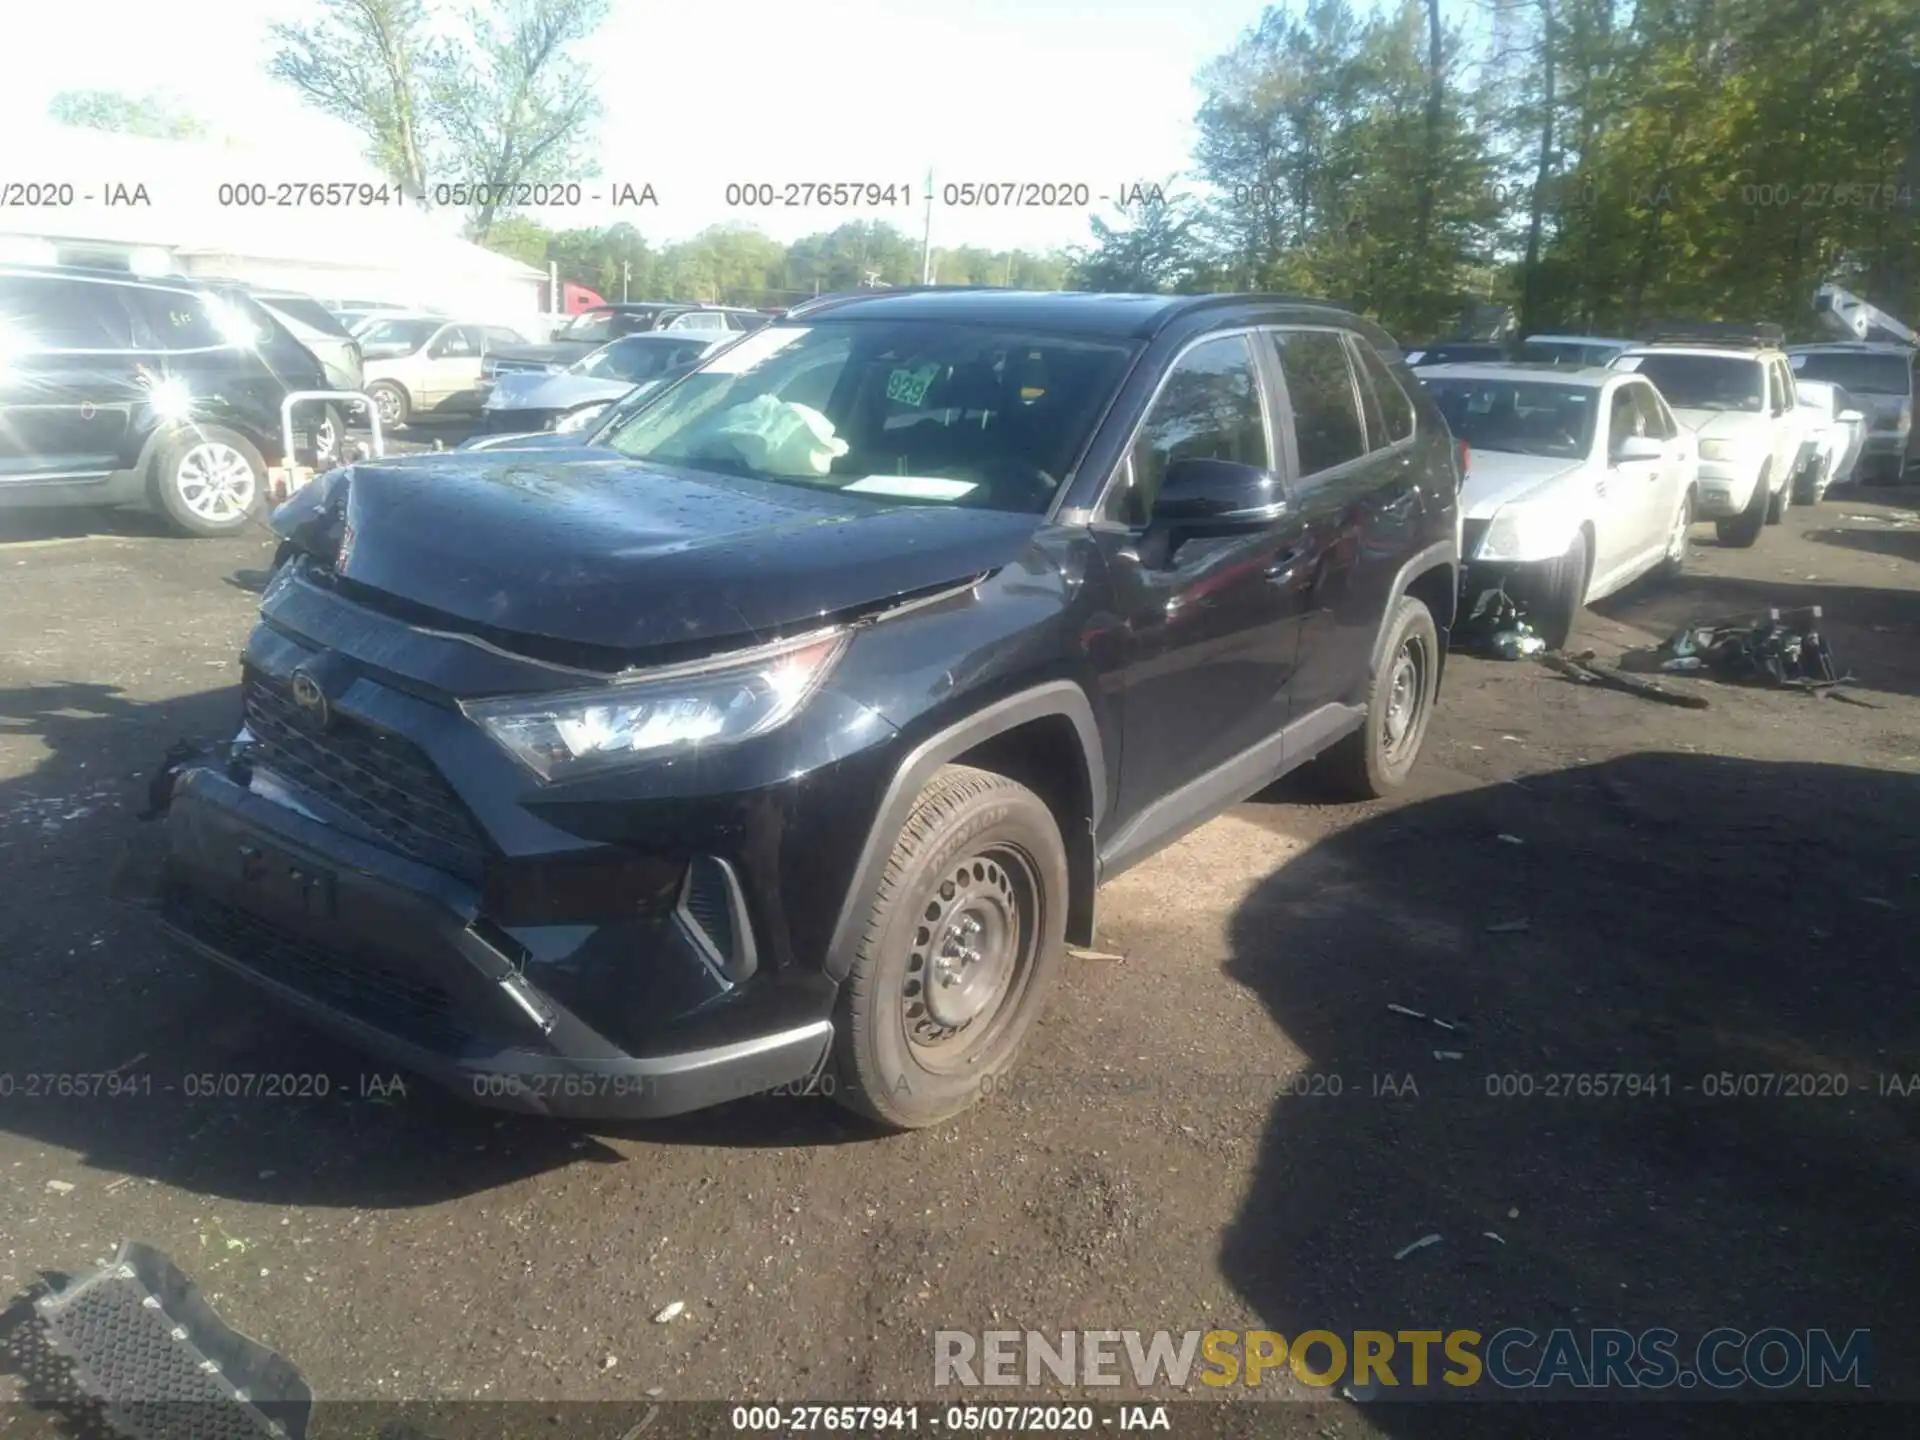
195	208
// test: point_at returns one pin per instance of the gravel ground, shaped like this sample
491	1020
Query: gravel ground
1725	890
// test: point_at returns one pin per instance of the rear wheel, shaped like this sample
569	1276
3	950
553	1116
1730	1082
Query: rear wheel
1679	541
208	481
962	944
1740	532
1777	504
1376	759
1808	488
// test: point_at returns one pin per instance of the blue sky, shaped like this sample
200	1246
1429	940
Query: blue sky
700	93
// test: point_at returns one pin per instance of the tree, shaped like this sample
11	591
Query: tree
153	115
1150	249
492	98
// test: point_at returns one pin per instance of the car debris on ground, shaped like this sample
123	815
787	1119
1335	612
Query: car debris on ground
1784	648
1585	668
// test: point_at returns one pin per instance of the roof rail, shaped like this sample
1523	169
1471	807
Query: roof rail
1757	336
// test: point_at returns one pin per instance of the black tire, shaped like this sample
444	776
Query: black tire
1806	486
329	436
1742	530
1553	595
1674	565
979	850
1376	759
391	399
1778	505
180	481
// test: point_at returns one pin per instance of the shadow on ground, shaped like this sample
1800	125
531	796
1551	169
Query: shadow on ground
92	990
1670	918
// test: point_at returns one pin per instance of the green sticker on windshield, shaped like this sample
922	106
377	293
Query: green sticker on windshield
910	387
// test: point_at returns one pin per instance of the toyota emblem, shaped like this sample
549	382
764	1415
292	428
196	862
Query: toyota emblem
312	700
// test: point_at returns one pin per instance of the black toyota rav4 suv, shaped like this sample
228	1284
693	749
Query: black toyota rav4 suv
784	734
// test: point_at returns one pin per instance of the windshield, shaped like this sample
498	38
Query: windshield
633	359
914	410
396	337
596	326
1521	417
1874	374
1703	382
310	313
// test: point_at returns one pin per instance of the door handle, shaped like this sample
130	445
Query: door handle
1281	569
1400	506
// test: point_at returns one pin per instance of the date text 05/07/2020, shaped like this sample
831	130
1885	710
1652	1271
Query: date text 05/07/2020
949	1419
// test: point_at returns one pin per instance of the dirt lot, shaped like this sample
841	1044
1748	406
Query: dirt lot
1727	890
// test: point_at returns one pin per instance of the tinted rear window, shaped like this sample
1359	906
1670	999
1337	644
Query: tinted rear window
51	313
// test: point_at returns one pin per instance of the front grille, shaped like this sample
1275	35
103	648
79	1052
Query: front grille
358	985
379	779
516	422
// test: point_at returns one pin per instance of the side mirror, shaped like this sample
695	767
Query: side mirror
1850	417
1218	497
1639	447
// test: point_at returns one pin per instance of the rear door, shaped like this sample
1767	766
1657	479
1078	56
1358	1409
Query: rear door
69	381
1354	488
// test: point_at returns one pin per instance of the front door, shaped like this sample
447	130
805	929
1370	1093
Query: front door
452	366
1621	492
1208	627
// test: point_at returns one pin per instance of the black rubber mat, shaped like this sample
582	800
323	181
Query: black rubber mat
162	1364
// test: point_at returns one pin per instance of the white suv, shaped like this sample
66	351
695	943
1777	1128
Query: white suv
1731	386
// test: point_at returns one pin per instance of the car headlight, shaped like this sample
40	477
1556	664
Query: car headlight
1719	450
575	421
659	712
1520	534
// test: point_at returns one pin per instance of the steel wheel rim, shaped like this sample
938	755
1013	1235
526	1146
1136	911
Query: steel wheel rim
973	948
1682	538
215	482
1406	696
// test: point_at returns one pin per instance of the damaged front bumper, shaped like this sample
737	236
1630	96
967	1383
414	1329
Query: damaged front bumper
398	959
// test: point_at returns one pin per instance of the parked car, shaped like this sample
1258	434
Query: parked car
1579	481
1835	440
322	335
157	393
1571	349
423	363
789	731
518	403
1884	377
1731	386
1455	352
586	332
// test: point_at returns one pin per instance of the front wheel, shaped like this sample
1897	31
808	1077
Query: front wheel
1743	530
1778	503
962	943
391	403
1376	759
208	481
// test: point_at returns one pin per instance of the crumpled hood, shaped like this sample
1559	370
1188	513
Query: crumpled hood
1499	477
531	390
1724	424
575	546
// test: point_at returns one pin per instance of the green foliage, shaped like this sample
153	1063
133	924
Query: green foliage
488	95
738	265
153	115
1597	164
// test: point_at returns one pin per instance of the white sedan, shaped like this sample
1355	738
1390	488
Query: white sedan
1579	481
